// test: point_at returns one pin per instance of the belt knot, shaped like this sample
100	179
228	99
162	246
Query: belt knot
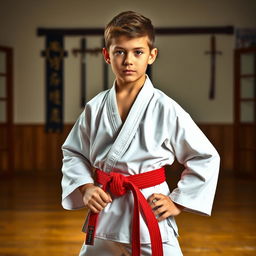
118	184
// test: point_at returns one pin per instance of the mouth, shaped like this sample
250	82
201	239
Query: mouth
128	71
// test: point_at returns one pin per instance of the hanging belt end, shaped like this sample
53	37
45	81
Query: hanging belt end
90	235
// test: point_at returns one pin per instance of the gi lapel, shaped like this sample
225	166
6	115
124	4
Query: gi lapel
131	123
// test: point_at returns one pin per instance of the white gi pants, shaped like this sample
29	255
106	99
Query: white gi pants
110	248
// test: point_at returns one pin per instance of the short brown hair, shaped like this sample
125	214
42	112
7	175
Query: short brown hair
130	24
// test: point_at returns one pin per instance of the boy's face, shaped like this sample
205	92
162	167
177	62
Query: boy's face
129	58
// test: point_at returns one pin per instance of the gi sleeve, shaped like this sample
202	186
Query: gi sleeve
76	167
196	187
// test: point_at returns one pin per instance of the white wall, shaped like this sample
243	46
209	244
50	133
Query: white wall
182	69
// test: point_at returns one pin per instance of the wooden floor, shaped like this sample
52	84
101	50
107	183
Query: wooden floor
32	222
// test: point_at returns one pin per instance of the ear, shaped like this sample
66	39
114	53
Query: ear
106	55
152	56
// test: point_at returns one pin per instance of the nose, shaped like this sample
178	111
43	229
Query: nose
128	59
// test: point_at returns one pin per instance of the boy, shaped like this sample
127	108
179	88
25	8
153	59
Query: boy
114	156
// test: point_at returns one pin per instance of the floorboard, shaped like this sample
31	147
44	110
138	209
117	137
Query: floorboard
32	222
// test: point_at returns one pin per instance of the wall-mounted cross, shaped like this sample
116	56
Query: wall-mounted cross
83	51
213	52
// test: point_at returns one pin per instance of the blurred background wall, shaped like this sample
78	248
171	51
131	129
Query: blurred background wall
182	69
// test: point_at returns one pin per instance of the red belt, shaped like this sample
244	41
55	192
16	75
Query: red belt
119	185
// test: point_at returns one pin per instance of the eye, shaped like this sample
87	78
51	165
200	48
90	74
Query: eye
138	52
119	52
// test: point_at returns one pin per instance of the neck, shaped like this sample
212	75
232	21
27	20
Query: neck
130	87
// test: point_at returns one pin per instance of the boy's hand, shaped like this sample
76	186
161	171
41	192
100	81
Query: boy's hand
94	197
163	206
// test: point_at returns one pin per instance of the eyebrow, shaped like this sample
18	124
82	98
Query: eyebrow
136	48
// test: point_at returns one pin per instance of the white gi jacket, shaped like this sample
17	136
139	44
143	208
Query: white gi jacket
156	131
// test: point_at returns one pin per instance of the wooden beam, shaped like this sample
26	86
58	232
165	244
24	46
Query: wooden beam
195	30
229	30
70	31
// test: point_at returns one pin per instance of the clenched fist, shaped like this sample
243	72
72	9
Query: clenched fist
94	197
163	207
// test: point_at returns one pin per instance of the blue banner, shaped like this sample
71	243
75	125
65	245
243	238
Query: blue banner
54	55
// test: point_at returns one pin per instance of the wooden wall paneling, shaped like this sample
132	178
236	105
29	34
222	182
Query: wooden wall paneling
246	168
227	147
247	142
29	147
222	138
50	144
20	154
36	150
3	137
216	136
56	152
3	144
247	138
41	148
17	150
3	161
22	150
25	151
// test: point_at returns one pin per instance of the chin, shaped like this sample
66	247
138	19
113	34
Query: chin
132	78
